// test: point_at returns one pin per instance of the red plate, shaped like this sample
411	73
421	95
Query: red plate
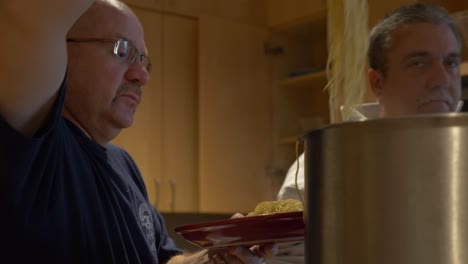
283	227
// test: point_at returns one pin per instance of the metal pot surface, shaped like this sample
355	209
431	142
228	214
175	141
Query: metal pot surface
388	191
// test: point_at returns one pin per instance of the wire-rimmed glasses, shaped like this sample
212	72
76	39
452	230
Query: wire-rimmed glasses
123	49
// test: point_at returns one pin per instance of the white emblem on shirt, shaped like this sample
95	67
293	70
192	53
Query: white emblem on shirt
146	221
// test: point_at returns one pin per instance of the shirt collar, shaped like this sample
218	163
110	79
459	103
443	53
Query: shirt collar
370	111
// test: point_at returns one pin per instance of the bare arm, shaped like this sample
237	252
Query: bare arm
33	57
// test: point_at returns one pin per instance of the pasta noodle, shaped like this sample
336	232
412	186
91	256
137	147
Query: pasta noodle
274	207
347	27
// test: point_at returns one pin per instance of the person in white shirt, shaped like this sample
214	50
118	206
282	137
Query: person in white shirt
414	57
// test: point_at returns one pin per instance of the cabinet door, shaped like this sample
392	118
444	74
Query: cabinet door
152	4
163	138
284	14
234	103
143	139
246	11
180	115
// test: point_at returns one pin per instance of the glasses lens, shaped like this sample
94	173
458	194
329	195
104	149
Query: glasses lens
123	50
128	53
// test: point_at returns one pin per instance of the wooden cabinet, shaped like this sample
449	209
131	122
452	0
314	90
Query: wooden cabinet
242	11
163	138
202	133
293	14
234	116
298	73
464	69
179	175
155	5
216	129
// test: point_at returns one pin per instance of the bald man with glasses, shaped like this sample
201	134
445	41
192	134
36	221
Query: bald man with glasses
66	194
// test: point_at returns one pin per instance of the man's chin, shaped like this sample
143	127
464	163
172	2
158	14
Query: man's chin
122	122
126	123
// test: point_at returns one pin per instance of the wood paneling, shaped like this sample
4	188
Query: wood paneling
287	14
163	139
234	103
180	114
155	5
242	11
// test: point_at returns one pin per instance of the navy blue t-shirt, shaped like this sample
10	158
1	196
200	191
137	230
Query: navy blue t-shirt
66	199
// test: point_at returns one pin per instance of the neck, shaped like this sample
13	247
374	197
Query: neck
99	140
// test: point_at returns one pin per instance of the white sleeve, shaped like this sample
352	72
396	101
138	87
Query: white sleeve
292	252
288	189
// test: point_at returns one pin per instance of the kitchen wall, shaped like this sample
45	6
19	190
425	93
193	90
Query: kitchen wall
202	133
216	129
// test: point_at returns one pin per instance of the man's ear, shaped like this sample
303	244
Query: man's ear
376	82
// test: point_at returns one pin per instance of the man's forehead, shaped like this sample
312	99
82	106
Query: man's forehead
421	36
121	24
421	53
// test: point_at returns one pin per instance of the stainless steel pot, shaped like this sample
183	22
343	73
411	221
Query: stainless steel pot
388	191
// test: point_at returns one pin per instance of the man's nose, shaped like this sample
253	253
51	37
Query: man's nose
440	75
137	73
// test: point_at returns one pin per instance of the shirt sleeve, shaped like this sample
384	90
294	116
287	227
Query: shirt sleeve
55	114
166	246
291	252
288	189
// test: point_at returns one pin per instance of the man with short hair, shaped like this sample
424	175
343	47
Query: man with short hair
414	57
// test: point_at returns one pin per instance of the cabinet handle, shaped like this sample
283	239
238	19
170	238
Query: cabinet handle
172	183
157	182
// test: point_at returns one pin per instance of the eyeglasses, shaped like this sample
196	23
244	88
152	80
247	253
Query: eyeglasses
123	49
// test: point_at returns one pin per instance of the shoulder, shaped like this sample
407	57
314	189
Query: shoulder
121	159
123	163
118	152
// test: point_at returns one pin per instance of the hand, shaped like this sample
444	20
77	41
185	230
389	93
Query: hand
238	254
243	255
